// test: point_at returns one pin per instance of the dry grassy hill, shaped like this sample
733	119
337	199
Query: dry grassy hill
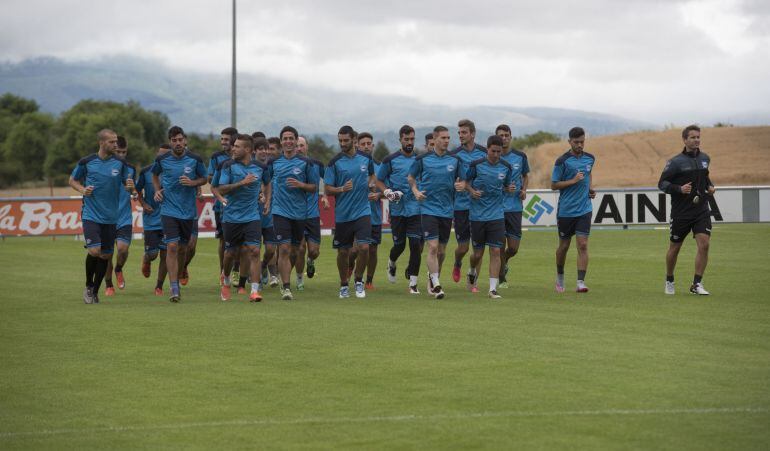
739	156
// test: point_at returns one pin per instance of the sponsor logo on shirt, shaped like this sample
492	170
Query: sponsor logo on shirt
500	175
363	168
296	171
516	165
115	172
187	169
705	164
588	168
450	168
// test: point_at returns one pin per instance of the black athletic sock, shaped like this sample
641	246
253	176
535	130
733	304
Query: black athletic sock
118	268
99	272
458	263
159	284
697	279
237	266
559	269
359	279
415	255
397	250
344	284
581	275
90	269
669	278
242	281
369	279
286	286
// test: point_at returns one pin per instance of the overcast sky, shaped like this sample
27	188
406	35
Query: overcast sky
661	61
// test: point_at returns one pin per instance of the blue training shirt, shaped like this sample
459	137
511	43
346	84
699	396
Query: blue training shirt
108	178
436	176
125	207
462	199
242	202
178	200
145	188
312	198
491	180
520	167
393	171
376	205
287	201
353	204
215	162
573	200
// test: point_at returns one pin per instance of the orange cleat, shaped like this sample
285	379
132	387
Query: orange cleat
184	278
474	289
456	274
224	293
159	292
369	287
109	291
255	296
241	290
146	269
121	281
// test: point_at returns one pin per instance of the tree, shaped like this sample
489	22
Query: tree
380	151
318	149
26	146
534	140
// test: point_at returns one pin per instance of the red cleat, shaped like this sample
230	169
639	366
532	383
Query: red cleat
241	290
109	291
159	292
369	286
255	296
184	278
224	293
121	281
474	289
456	274
146	269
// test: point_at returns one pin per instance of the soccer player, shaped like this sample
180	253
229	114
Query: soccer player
226	140
269	268
572	178
404	208
467	152
153	229
348	177
430	143
311	241
124	231
274	146
433	179
100	178
686	179
176	177
293	176
512	202
241	180
366	145
487	180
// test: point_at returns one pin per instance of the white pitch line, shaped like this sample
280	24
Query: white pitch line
394	418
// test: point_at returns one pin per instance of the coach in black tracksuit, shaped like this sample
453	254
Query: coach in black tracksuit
686	179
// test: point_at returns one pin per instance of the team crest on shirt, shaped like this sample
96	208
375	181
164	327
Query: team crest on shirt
705	164
363	168
115	172
278	237
588	168
516	166
450	168
187	169
296	171
501	175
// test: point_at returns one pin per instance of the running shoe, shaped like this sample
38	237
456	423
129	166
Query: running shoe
697	288
670	288
255	296
224	293
344	292
391	273
360	292
310	268
146	269
109	291
120	279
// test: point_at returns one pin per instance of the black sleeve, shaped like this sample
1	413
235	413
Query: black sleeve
664	184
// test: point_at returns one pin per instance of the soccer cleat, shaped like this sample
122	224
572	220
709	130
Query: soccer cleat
456	274
159	292
502	285
581	287
300	285
474	289
184	277
224	293
493	295
88	296
241	290
255	296
360	292
310	268
95	297
437	292
273	281
175	298
670	288
413	289
344	292
146	269
392	273
369	286
109	291
559	287
697	288
286	294
471	283
120	279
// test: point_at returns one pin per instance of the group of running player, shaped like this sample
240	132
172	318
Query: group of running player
267	197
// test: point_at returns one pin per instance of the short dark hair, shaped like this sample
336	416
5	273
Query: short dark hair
258	135
260	142
165	146
363	135
229	131
346	130
244	137
428	137
688	129
289	129
122	143
467	123
274	140
438	129
405	130
494	140
503	127
576	132
175	130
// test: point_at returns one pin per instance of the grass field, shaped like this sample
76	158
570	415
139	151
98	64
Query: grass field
622	367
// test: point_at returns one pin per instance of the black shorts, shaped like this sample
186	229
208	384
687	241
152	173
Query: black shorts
462	226
488	233
268	235
124	234
358	231
376	234
218	225
436	228
175	229
99	235
153	241
579	225
239	234
313	230
513	225
405	226
288	230
681	227
194	231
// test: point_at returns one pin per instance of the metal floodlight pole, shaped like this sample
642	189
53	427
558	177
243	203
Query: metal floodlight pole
232	85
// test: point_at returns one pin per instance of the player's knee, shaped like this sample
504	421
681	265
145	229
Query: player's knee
494	251
582	246
94	252
363	248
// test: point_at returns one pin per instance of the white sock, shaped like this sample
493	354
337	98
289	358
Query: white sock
391	263
412	281
492	284
434	279
299	278
227	280
255	287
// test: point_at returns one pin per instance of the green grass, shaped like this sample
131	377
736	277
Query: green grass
623	367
